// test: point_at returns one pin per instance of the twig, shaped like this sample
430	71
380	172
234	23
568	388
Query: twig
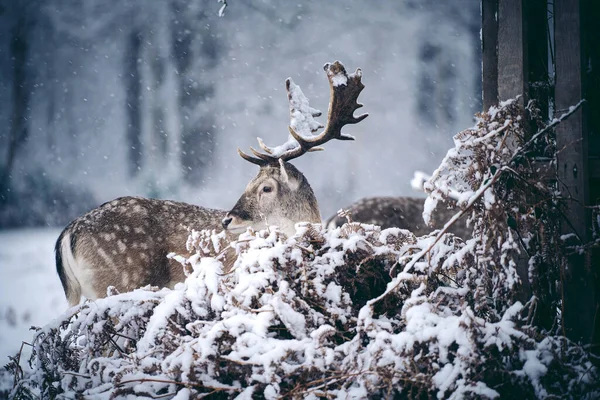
328	381
75	374
17	361
305	249
585	373
550	126
117	347
447	277
123	336
161	396
462	212
179	383
567	145
114	332
492	133
239	362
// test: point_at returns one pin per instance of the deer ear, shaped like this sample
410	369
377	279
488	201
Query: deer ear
292	183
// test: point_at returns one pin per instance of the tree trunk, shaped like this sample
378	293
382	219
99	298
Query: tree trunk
133	87
18	129
195	52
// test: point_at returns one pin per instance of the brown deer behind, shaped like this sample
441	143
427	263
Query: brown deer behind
400	212
124	243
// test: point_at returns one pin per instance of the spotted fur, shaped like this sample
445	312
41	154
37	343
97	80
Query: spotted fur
124	243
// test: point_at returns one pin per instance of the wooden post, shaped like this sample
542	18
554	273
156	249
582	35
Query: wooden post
537	34
578	281
512	51
489	52
515	44
505	73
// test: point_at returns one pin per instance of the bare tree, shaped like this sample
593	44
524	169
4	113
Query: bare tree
195	52
133	84
20	92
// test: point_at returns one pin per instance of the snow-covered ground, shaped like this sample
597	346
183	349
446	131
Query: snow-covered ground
30	290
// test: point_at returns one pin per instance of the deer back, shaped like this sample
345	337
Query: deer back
399	212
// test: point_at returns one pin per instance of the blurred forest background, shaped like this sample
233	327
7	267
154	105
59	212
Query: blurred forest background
106	98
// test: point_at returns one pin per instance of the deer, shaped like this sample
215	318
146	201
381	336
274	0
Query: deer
125	243
399	212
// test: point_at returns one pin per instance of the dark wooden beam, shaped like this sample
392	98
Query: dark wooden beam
594	167
593	141
578	282
512	73
536	32
489	52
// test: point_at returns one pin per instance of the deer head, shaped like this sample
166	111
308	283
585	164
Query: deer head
280	194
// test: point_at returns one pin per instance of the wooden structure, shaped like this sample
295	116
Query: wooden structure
548	50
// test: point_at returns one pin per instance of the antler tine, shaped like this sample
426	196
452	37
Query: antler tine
264	157
260	159
344	91
253	160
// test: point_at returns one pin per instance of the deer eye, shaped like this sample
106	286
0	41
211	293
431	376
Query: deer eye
267	189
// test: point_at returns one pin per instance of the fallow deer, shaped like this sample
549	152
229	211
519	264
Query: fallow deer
124	243
400	212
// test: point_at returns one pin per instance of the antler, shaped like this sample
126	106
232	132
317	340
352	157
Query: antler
344	91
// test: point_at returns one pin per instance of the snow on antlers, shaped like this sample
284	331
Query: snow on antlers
344	91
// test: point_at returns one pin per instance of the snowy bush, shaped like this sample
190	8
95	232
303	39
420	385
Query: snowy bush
354	312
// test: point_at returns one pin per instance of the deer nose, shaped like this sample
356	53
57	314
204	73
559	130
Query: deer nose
226	221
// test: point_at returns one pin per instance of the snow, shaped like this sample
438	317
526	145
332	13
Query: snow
418	180
301	114
301	121
339	79
30	291
568	236
428	209
221	12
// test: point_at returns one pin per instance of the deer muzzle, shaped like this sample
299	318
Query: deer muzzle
226	221
235	223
